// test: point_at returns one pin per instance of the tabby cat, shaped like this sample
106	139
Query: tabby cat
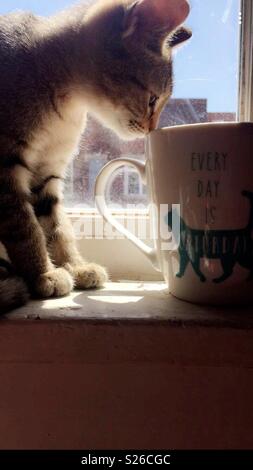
112	59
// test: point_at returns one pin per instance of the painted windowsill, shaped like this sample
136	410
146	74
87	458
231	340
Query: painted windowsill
133	301
127	322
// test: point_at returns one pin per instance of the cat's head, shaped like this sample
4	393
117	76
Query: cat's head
132	44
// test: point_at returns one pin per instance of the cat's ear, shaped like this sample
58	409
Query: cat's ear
179	36
157	17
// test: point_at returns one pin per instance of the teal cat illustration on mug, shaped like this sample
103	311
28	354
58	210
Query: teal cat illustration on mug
229	246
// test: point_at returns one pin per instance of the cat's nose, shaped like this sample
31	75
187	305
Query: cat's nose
153	123
152	126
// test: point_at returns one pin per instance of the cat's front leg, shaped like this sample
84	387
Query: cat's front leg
61	240
25	242
63	250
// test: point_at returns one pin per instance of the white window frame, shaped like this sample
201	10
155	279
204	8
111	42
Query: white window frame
122	259
245	102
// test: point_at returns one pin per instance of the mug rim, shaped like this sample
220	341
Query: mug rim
198	125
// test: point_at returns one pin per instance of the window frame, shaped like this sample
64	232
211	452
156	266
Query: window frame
135	265
245	102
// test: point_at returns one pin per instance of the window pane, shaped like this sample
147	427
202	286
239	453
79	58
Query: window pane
205	90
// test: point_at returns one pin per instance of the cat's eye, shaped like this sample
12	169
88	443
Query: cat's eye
153	100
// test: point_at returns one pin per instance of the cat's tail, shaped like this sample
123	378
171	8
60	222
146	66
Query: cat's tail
13	294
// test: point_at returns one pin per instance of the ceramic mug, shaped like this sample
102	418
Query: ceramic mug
200	180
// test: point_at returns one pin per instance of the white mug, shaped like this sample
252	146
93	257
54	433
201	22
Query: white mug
200	180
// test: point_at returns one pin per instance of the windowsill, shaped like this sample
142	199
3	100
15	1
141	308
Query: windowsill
127	322
133	301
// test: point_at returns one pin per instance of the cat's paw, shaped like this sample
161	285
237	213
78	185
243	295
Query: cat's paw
56	283
89	276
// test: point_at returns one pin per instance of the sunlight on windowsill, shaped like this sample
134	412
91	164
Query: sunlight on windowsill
119	299
131	301
113	293
126	288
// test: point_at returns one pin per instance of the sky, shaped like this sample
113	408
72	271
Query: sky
206	67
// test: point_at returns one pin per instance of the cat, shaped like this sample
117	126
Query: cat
112	59
229	246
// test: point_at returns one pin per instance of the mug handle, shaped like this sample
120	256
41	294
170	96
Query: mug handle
100	189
